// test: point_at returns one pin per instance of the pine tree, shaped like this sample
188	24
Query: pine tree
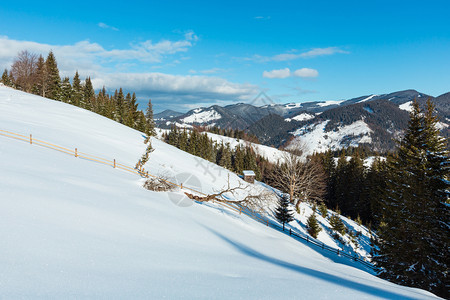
414	242
323	210
312	225
149	116
238	161
283	213
66	90
77	97
88	94
225	159
5	78
337	224
53	79
41	77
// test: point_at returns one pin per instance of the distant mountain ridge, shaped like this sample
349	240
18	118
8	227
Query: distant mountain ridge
385	117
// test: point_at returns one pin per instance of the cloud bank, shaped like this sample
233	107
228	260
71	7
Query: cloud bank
293	54
286	72
102	65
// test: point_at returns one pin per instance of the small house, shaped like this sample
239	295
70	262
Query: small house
249	176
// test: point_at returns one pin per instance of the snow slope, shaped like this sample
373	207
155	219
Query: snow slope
313	138
72	228
270	153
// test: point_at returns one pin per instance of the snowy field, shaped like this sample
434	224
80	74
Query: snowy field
72	228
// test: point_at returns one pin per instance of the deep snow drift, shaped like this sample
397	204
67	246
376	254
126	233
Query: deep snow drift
71	228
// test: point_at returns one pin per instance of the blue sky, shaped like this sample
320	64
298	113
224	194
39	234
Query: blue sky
184	54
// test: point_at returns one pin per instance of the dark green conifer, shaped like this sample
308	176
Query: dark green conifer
53	79
66	90
413	243
312	225
41	77
149	116
77	96
283	213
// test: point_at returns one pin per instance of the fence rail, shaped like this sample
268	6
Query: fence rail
236	207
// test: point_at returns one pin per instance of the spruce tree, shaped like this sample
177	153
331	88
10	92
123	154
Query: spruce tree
312	225
149	116
323	210
337	224
41	77
88	95
414	243
77	97
66	90
53	79
5	78
283	213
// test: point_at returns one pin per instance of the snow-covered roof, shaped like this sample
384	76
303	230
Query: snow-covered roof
249	173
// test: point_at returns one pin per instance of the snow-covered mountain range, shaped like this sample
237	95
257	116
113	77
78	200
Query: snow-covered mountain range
73	228
372	119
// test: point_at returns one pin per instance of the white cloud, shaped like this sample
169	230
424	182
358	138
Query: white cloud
89	57
105	26
305	73
176	84
293	54
282	73
262	18
109	68
286	72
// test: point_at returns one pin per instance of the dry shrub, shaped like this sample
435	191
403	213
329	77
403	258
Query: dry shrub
158	184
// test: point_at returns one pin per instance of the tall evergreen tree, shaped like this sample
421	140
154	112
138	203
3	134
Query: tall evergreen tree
414	241
88	94
66	90
41	77
283	213
77	97
6	79
53	79
149	116
312	225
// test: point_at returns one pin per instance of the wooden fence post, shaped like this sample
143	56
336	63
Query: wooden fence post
31	139
114	162
322	245
76	153
181	185
240	210
290	231
307	239
337	251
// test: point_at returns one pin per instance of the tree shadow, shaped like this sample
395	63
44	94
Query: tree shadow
371	290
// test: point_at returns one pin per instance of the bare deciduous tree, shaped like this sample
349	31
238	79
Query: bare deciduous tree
254	200
23	70
303	180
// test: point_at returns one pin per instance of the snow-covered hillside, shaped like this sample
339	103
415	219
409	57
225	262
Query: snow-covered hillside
313	138
272	154
72	228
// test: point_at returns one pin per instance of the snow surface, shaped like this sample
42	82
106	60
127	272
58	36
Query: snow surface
406	106
367	99
200	116
272	154
301	117
72	228
313	138
328	103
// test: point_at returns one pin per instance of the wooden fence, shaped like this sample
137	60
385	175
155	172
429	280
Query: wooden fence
139	170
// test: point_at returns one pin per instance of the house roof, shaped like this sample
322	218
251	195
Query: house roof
249	173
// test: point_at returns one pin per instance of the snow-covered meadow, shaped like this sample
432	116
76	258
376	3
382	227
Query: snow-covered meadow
72	228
